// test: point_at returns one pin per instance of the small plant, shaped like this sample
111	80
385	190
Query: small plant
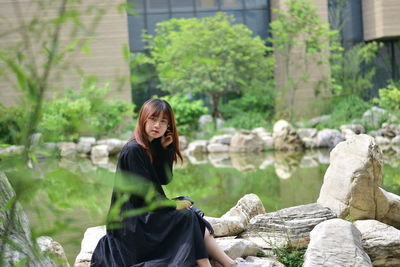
389	97
290	257
11	124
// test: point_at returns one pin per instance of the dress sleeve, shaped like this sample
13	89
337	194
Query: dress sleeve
164	166
133	161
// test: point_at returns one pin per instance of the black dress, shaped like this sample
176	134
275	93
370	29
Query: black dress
163	237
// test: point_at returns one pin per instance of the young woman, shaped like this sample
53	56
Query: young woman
142	235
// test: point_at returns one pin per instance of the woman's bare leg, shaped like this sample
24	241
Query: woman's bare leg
203	262
216	252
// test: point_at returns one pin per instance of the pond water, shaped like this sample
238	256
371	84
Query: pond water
71	195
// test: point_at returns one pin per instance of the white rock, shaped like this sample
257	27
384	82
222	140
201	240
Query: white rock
237	218
114	146
336	242
217	148
85	144
373	116
285	136
264	262
198	146
235	248
245	141
203	120
49	246
183	143
355	128
308	136
396	141
381	242
11	150
351	183
89	243
99	152
67	149
221	139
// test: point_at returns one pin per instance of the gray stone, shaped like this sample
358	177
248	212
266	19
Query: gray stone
246	141
329	138
99	152
336	242
11	150
217	148
67	149
236	248
50	247
308	136
17	231
237	218
204	119
286	227
183	143
198	146
351	183
85	144
396	141
356	128
264	261
373	116
390	130
114	146
285	136
381	242
221	139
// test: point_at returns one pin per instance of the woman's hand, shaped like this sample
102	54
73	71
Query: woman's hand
183	204
166	139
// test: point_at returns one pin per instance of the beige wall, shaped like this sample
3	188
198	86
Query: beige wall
301	100
105	61
381	19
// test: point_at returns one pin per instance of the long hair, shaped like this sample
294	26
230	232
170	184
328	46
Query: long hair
154	107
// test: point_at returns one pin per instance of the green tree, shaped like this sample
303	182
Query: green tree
209	56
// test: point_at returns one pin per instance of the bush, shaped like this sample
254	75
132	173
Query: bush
389	97
82	113
247	120
345	111
11	124
187	112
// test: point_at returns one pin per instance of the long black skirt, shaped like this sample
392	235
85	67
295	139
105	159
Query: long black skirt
155	239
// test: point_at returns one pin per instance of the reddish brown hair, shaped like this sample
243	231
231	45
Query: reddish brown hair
155	107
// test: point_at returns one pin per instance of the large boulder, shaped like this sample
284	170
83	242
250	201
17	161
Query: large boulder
286	227
14	225
236	219
198	146
381	242
390	130
373	116
85	144
336	242
224	139
351	183
67	149
285	136
183	142
246	141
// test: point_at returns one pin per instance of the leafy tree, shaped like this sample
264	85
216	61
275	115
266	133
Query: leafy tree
207	56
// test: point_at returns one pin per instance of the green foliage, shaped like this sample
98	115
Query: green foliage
83	112
345	110
11	124
187	112
247	120
290	257
353	69
389	97
209	56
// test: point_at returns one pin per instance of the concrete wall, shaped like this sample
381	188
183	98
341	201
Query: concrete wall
381	19
105	61
301	101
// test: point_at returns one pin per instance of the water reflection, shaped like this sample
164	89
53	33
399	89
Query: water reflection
285	162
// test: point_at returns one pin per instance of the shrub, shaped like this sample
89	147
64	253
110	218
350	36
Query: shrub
389	97
345	111
187	112
11	124
247	120
83	112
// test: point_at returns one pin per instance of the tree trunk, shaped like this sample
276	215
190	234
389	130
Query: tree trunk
214	106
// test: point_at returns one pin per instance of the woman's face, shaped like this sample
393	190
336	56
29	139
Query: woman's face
156	126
